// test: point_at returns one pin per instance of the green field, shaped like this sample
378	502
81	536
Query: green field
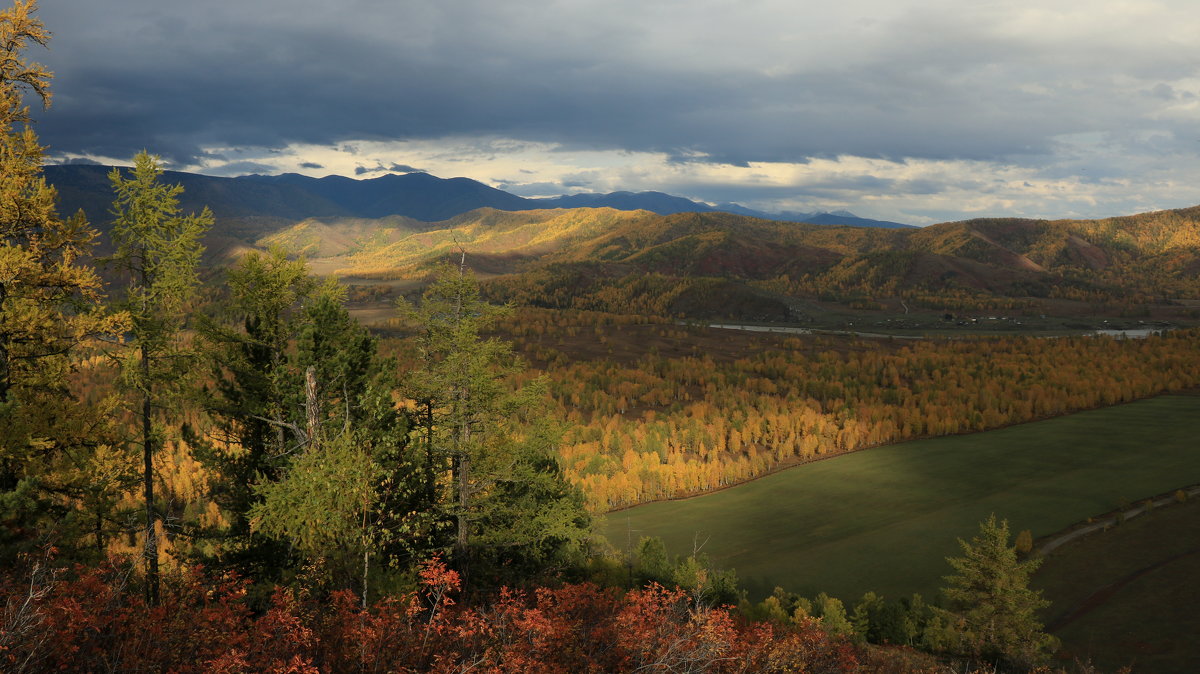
1128	596
884	519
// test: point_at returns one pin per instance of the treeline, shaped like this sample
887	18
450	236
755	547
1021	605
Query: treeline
665	427
848	289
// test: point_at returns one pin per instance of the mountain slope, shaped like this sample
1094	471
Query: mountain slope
254	204
719	264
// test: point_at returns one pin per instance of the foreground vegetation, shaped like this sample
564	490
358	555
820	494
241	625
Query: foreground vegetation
205	625
883	519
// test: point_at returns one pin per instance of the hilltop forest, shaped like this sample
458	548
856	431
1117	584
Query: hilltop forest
351	444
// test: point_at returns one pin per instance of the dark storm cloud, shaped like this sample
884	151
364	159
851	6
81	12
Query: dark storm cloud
723	82
311	165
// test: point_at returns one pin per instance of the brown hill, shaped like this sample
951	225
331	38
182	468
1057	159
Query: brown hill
719	264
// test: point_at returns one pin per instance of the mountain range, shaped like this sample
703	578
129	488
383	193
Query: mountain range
719	264
576	252
272	200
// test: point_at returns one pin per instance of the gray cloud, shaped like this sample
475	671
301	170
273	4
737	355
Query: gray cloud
538	189
929	84
239	168
770	81
380	168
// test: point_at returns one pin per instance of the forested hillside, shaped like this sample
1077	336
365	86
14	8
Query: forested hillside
717	265
208	464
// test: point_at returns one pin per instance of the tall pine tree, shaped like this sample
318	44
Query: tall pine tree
510	506
158	250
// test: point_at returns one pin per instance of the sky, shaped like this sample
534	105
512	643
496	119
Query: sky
918	111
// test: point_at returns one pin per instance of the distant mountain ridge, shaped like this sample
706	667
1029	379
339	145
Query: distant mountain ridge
420	196
814	218
703	263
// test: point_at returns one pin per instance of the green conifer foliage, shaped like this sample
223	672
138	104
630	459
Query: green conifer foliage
158	250
305	431
255	430
992	612
509	502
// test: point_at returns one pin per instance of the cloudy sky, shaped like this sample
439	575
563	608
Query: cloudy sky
919	111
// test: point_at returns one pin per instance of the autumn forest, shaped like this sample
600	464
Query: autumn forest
389	445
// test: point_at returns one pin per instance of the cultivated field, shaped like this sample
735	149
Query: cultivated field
884	519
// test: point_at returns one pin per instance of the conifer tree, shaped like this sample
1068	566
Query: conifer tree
460	382
158	249
307	442
506	495
249	346
992	611
50	303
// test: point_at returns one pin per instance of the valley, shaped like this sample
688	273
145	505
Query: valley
1127	596
885	519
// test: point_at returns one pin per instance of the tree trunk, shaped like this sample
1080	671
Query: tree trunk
5	370
366	558
148	486
430	492
312	405
99	532
464	500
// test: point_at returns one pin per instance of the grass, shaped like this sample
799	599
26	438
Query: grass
1146	615
885	519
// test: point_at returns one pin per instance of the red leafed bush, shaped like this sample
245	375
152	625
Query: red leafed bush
94	623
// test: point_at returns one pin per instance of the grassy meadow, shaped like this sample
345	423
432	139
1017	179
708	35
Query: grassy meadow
1128	596
884	519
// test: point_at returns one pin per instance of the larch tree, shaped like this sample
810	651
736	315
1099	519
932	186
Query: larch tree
505	494
50	303
992	612
158	251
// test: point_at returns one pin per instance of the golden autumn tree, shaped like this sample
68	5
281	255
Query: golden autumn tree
50	303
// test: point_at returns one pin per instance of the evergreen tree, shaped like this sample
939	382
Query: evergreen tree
249	345
506	495
303	420
992	612
50	303
159	250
